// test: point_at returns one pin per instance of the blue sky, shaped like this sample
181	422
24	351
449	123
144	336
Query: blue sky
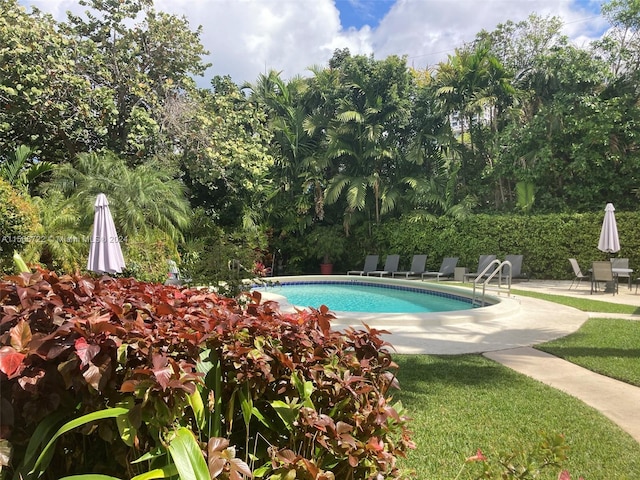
249	37
358	13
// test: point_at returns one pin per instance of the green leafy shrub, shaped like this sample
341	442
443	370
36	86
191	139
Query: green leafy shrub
191	377
522	464
146	256
18	223
212	254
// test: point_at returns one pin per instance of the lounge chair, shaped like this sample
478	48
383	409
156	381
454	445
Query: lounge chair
417	267
602	271
483	262
370	264
390	266
516	266
577	272
447	269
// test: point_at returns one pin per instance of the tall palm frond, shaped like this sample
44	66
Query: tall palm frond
21	170
141	199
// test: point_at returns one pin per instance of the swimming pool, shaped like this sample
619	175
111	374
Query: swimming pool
364	296
496	307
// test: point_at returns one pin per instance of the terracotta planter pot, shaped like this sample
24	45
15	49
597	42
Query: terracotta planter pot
326	268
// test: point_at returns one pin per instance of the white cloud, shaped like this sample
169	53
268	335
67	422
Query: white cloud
249	37
429	30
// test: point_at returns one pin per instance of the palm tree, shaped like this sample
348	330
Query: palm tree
475	85
21	169
61	244
295	172
142	199
357	143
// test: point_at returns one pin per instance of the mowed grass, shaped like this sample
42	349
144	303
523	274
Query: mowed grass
607	346
584	304
461	403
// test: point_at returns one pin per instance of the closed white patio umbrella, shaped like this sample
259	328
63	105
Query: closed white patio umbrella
105	254
609	241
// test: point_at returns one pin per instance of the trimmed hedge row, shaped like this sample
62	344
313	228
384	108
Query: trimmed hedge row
546	241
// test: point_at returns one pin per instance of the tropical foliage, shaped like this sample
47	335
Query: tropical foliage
518	120
279	395
364	154
18	222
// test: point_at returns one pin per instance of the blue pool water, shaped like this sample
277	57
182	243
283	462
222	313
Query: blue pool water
371	298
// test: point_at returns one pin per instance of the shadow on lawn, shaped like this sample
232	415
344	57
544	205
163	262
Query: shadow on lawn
417	370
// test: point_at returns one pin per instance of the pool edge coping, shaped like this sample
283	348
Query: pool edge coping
503	307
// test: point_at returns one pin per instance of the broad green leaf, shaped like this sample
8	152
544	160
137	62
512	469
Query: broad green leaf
21	266
91	417
288	413
90	476
164	472
204	364
40	435
187	456
262	471
305	389
152	455
264	420
197	405
127	431
246	404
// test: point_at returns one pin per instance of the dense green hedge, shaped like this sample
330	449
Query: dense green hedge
546	241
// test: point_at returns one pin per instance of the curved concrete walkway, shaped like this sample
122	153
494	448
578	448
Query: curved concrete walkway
509	341
618	401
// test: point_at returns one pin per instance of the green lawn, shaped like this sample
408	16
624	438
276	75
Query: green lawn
607	346
461	403
584	304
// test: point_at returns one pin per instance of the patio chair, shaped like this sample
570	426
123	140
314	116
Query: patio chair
483	262
447	269
390	266
516	266
622	263
577	272
174	277
370	264
602	271
417	267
